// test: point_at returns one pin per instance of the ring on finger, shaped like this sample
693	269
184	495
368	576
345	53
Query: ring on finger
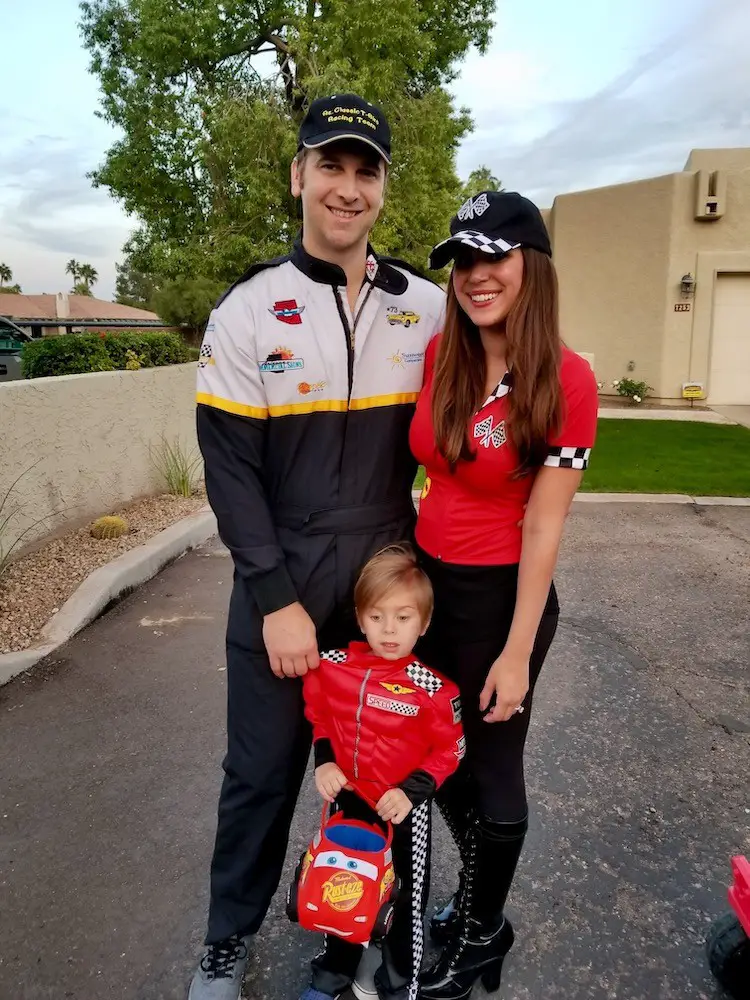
520	709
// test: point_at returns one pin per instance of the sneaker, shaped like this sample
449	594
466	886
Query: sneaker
363	986
221	970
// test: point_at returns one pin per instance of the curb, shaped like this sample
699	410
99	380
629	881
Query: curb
683	498
106	584
684	415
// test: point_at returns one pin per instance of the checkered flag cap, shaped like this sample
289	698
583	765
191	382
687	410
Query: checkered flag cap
493	222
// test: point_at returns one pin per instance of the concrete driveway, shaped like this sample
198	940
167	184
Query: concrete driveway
638	763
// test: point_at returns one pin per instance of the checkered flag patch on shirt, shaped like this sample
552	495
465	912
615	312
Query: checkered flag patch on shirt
568	458
424	678
334	656
205	354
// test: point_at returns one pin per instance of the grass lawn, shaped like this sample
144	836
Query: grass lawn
669	456
666	456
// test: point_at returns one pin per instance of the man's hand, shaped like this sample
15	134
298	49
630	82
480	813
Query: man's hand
291	642
394	806
329	780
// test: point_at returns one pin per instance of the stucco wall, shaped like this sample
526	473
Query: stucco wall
85	440
737	158
695	245
612	251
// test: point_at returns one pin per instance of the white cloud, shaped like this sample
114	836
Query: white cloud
50	212
688	89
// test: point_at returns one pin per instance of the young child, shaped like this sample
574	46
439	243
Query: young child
386	721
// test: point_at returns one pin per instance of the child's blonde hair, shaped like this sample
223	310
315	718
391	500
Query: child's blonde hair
394	566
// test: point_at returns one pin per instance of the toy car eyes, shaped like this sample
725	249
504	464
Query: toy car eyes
351	864
332	859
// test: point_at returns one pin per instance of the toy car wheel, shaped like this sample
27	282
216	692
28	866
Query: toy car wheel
292	908
383	921
728	951
291	903
385	915
407	323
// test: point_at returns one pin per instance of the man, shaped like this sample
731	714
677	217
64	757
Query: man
309	371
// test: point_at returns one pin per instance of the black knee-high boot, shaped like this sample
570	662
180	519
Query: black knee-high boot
484	936
455	803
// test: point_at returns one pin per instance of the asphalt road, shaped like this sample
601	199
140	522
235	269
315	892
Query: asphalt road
638	761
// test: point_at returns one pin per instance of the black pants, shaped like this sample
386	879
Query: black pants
268	738
333	971
474	608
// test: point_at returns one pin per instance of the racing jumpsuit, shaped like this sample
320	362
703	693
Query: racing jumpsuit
303	418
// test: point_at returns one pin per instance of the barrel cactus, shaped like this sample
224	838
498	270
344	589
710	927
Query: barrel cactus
109	527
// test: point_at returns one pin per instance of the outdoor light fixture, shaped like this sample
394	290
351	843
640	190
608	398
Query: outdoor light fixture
687	283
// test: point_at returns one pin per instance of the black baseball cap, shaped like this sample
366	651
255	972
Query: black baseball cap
494	222
345	116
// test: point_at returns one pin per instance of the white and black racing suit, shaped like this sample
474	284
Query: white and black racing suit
303	417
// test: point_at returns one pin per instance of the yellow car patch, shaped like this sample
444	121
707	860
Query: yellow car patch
404	318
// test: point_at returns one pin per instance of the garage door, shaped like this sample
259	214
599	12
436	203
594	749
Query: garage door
729	380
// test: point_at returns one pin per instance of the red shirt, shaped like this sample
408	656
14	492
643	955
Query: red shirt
471	517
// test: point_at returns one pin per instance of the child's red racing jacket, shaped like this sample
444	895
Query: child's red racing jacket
386	723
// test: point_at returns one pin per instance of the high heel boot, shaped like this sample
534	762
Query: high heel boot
484	936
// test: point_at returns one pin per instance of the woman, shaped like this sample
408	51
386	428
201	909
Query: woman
504	426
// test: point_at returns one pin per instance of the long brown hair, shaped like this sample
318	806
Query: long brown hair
532	331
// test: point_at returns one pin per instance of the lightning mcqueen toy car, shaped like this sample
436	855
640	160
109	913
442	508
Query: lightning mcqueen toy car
344	883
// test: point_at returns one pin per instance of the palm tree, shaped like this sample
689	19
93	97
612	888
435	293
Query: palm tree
88	275
5	274
73	268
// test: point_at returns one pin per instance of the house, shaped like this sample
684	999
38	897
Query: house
37	314
655	277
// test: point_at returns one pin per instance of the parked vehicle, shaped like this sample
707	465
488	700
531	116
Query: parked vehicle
12	339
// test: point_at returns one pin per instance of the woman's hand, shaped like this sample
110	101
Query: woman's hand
329	780
508	681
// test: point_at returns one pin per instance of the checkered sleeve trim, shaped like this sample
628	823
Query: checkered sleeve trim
568	458
334	655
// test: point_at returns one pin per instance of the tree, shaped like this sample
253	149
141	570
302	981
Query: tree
481	179
134	287
73	268
5	274
208	131
81	288
10	289
187	302
88	275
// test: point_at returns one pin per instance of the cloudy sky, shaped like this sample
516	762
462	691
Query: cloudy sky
569	96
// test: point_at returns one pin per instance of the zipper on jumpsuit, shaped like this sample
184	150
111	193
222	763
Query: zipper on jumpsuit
350	333
359	722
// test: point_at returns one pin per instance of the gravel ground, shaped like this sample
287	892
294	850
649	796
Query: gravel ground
37	585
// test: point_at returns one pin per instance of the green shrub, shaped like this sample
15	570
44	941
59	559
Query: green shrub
75	353
69	354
